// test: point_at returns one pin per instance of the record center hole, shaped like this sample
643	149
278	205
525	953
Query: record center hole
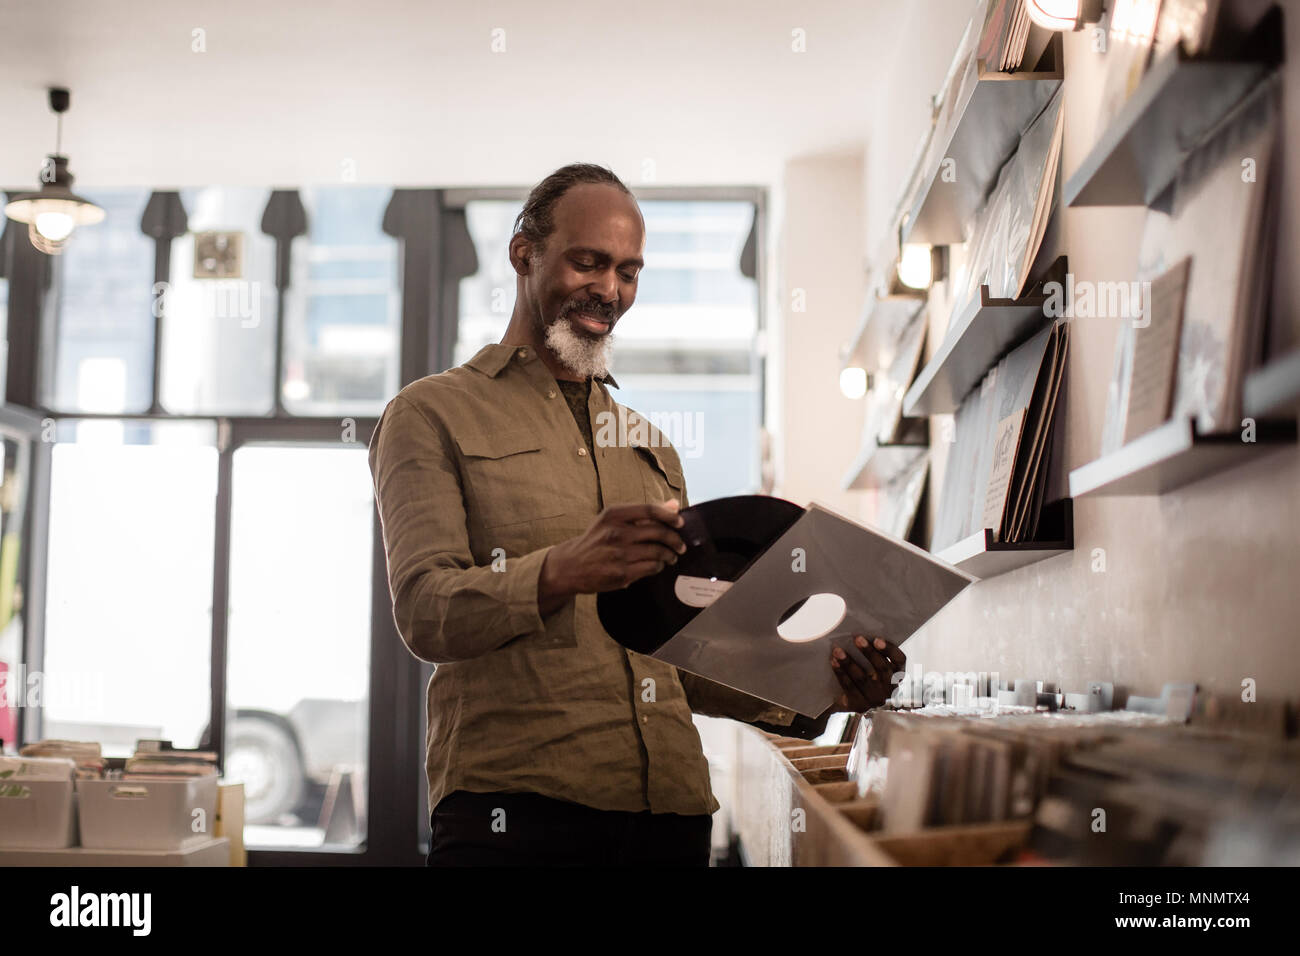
811	617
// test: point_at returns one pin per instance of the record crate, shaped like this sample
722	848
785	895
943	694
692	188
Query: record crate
141	814
797	807
37	814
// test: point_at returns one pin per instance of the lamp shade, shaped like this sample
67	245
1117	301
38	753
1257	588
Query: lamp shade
53	212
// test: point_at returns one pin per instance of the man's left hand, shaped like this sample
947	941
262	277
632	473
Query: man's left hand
863	690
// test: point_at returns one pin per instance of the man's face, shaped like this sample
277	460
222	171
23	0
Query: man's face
587	272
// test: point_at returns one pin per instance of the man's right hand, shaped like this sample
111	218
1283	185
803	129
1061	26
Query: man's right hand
624	543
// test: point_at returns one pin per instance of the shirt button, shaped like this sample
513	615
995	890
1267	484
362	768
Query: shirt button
582	451
645	719
523	353
550	393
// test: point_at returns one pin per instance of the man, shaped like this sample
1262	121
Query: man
548	742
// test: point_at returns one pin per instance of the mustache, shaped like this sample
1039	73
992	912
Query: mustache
599	309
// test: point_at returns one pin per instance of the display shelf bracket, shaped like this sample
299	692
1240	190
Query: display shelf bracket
982	557
1175	454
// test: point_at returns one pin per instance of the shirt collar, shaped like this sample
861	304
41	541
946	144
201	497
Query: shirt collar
492	358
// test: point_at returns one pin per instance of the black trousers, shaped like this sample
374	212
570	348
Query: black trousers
528	829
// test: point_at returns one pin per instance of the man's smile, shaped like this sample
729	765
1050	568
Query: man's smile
591	322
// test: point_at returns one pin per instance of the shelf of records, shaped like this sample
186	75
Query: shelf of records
1173	73
1177	407
1000	295
1186	779
991	514
978	335
1005	71
890	441
893	459
876	339
996	512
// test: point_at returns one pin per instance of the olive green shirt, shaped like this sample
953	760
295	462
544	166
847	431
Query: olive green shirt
478	471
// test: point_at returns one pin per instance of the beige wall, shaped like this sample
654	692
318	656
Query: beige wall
1199	584
819	257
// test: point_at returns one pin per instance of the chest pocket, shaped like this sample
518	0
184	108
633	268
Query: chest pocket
662	478
508	480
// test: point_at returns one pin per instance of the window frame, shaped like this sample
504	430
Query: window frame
429	225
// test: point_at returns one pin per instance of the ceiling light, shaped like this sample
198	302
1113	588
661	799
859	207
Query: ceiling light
53	212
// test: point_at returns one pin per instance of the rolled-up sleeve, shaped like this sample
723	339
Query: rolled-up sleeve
445	608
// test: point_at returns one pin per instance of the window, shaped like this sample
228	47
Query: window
687	356
343	306
219	314
488	296
128	631
142	493
104	311
298	639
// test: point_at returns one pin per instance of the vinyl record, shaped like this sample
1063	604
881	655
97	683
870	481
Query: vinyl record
723	537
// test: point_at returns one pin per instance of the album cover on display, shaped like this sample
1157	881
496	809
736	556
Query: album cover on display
997	468
1220	229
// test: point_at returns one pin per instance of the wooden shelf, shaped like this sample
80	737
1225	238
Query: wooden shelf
881	318
878	464
982	557
1274	390
981	335
1177	104
1173	455
998	109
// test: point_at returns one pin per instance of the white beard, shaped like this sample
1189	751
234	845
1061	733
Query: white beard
580	354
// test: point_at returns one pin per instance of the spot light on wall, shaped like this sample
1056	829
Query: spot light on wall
853	381
914	267
920	266
1064	14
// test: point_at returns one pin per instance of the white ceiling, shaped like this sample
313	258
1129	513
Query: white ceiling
411	93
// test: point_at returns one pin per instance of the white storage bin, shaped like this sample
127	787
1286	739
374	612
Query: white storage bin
37	814
147	814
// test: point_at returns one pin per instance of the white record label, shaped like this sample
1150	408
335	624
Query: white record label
699	592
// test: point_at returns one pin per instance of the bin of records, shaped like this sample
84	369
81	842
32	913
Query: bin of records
38	808
144	814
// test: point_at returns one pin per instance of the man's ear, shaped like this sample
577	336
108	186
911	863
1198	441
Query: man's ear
520	251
